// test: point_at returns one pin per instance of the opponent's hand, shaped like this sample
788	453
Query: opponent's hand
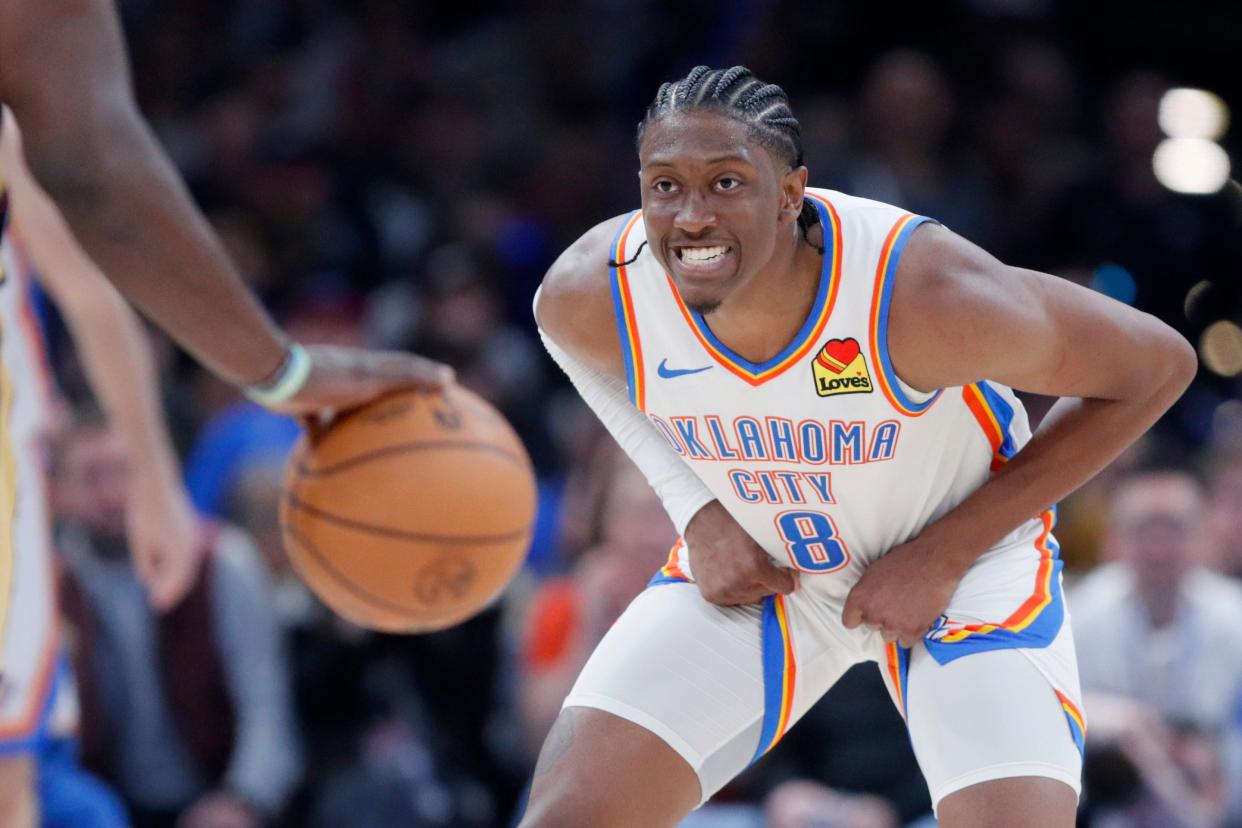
727	564
164	538
902	594
342	378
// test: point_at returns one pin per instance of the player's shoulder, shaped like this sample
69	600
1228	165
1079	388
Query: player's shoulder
574	303
582	270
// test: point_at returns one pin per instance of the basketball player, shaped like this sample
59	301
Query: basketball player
818	386
63	73
114	351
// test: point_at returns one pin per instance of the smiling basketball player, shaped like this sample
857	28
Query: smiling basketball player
818	385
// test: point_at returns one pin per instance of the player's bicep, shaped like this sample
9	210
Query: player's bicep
961	316
1051	336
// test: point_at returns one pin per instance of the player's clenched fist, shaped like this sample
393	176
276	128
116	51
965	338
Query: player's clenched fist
903	593
729	567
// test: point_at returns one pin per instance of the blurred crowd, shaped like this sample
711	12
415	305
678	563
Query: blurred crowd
402	174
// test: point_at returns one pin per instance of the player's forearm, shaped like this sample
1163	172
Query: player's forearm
680	489
129	210
1077	439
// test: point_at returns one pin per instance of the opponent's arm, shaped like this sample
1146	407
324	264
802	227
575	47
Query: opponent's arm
117	359
63	72
958	315
576	320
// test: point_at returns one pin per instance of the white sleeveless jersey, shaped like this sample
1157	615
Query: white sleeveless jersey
21	345
821	453
28	630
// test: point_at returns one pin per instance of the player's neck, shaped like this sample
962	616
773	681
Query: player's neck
762	317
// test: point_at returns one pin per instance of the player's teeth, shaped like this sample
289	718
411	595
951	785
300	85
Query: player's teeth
702	254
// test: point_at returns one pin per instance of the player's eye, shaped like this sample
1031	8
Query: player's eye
663	185
727	183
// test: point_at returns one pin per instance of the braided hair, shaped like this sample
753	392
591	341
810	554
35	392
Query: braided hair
737	93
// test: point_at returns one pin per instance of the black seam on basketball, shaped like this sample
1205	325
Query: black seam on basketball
406	448
400	534
357	591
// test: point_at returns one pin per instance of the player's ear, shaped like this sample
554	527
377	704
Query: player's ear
793	188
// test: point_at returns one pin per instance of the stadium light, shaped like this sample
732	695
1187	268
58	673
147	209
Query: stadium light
1220	348
1195	166
1193	113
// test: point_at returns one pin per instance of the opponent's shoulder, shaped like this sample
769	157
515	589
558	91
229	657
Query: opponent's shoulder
574	304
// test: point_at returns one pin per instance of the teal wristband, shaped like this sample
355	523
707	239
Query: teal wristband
289	380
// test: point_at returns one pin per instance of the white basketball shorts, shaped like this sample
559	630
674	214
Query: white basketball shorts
984	696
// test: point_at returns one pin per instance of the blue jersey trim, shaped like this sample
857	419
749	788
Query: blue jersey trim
618	309
881	327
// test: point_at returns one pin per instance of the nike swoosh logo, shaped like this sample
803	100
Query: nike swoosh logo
668	373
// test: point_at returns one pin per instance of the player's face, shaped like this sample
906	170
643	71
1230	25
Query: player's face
715	203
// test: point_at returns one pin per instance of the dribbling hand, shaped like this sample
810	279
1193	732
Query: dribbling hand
727	564
343	378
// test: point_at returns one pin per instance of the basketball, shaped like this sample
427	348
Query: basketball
412	513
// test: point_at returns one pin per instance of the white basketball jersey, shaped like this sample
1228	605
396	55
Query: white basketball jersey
821	453
22	347
28	628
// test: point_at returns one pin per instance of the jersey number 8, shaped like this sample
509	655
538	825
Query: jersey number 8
812	541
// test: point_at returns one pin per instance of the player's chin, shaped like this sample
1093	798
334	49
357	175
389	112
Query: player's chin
703	299
705	288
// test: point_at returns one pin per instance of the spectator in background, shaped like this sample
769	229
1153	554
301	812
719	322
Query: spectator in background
187	713
908	108
1225	513
570	615
806	804
1115	227
1160	647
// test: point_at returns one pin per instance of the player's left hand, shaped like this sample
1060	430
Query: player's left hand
902	594
164	538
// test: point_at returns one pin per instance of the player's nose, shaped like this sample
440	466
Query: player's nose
694	215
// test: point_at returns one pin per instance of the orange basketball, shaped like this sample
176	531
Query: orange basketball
412	513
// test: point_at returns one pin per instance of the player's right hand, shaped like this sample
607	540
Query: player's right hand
727	564
342	378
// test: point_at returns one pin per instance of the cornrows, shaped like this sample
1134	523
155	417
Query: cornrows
736	92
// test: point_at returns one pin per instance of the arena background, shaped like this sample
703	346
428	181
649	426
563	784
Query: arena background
402	174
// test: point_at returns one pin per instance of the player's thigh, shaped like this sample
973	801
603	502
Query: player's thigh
992	716
696	690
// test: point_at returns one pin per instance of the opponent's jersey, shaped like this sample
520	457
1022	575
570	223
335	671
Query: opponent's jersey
821	453
26	372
